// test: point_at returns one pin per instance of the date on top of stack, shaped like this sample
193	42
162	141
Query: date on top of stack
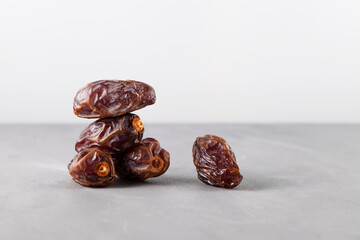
111	98
110	145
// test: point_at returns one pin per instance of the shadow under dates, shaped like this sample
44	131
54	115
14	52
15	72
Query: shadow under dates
162	181
252	182
125	183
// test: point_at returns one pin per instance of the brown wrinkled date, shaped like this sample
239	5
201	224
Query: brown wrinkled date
110	98
145	160
92	168
114	134
215	162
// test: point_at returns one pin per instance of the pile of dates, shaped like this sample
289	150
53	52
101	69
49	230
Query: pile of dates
113	146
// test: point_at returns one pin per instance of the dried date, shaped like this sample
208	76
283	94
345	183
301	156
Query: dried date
145	160
114	134
110	98
92	168
215	162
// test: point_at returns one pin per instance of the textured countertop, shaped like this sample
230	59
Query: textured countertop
300	182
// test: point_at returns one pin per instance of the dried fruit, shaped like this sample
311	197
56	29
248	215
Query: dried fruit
114	134
215	162
92	168
110	98
145	160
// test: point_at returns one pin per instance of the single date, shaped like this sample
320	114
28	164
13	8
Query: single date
114	134
92	168
145	160
215	162
110	98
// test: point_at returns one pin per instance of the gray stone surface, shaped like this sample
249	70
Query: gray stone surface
300	182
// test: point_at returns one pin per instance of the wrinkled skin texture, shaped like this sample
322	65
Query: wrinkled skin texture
110	98
145	160
92	168
114	134
215	162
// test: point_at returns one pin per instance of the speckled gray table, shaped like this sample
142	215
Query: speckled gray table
300	182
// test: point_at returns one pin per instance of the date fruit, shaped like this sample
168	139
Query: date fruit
215	162
92	168
114	134
145	160
110	98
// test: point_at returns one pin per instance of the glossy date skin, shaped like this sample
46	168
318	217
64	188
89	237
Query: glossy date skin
110	98
215	162
92	168
145	160
114	134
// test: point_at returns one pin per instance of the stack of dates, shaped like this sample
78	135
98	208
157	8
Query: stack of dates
112	146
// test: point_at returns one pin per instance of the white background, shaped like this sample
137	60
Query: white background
209	61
